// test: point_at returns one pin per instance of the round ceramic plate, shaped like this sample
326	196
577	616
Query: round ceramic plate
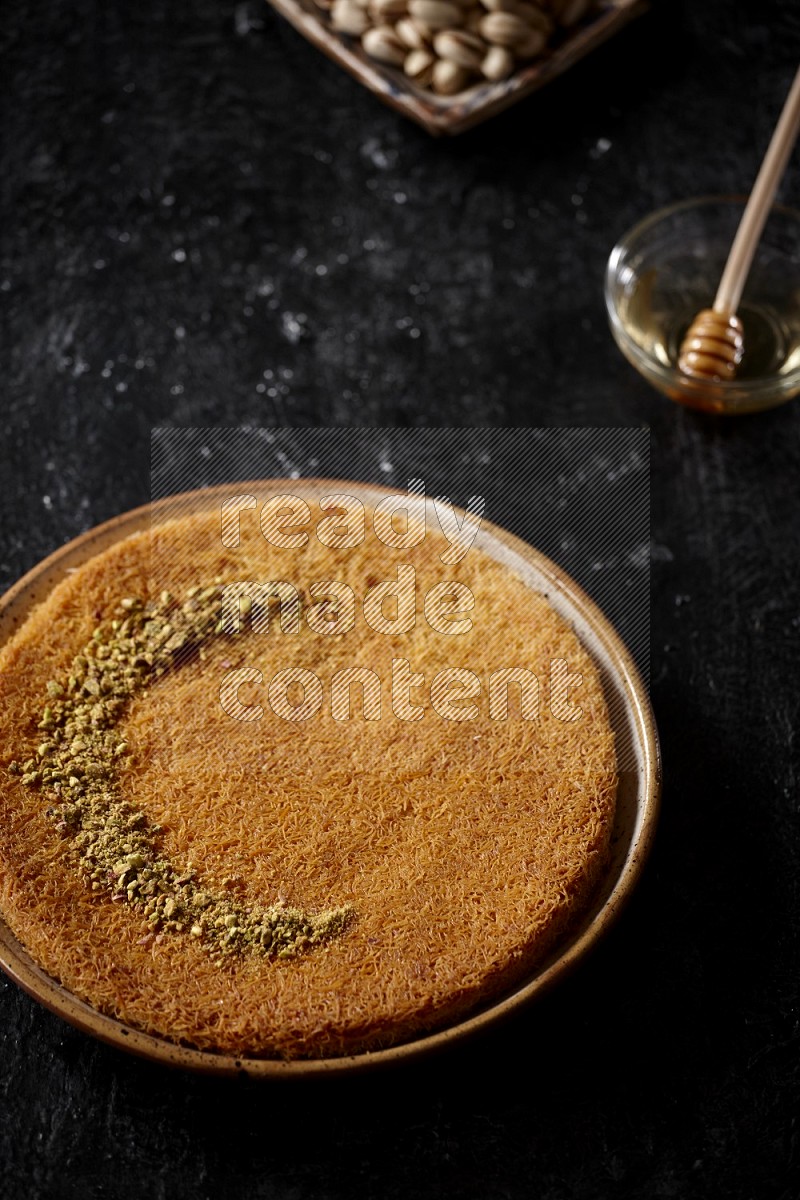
637	798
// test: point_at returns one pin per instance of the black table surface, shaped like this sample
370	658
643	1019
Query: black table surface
206	223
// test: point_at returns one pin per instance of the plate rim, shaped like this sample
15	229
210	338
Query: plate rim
18	964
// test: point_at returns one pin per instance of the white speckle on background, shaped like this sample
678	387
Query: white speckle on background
640	555
375	154
292	326
245	19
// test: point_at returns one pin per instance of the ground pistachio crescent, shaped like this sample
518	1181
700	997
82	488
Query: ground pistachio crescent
116	846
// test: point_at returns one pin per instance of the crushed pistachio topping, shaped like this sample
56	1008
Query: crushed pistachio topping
75	766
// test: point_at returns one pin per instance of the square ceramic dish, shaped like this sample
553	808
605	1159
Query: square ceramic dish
455	114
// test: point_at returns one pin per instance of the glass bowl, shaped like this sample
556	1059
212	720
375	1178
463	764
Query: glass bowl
667	268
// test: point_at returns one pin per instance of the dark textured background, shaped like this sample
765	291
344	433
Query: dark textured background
205	222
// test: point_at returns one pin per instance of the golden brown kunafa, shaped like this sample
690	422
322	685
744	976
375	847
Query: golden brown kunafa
297	800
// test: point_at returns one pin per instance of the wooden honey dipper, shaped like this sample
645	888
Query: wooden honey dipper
714	343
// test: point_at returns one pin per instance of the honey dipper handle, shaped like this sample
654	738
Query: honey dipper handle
744	245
